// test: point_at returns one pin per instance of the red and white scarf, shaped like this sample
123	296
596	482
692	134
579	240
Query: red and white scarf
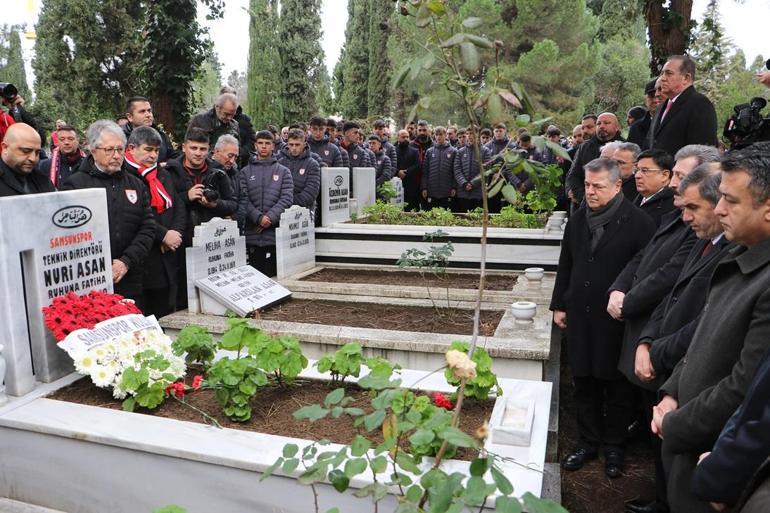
160	199
55	162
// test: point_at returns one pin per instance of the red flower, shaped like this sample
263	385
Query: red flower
196	382
176	389
442	401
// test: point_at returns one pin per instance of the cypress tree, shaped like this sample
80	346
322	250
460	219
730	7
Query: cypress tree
355	66
264	102
378	86
323	94
301	57
13	70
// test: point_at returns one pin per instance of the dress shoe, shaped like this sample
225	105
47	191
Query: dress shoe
645	506
613	464
576	459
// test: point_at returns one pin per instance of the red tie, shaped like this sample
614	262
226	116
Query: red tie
707	248
668	108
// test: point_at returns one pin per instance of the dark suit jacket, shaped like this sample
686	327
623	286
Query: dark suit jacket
691	120
629	189
11	186
673	322
582	280
646	280
657	206
711	380
638	132
743	445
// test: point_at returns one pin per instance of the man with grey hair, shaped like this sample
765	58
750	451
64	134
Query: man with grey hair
220	120
688	158
600	238
625	155
131	223
225	157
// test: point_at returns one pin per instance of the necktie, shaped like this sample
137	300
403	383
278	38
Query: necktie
707	248
668	108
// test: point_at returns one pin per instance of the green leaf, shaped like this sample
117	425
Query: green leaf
129	404
333	510
355	467
271	469
509	193
523	120
495	189
472	22
437	7
359	446
313	474
406	462
399	77
503	484
422	437
334	397
469	56
379	464
475	490
481	42
312	412
507	505
479	466
374	420
170	509
454	40
290	450
414	493
456	437
339	480
290	465
495	110
537	505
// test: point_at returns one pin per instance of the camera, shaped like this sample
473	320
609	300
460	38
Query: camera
210	194
8	92
747	125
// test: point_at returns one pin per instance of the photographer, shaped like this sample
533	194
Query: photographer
15	105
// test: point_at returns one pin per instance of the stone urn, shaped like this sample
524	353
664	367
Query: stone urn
534	274
524	312
3	397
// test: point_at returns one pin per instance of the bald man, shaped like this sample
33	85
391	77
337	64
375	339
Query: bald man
607	130
20	152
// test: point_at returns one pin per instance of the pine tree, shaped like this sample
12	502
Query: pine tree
301	57
264	105
378	89
12	62
355	65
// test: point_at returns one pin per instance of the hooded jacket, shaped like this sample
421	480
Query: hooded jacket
438	172
305	174
266	189
328	151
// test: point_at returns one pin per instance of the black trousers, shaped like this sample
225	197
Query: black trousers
466	204
604	410
650	399
160	302
262	258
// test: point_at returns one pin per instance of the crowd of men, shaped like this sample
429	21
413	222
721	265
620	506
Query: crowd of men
663	284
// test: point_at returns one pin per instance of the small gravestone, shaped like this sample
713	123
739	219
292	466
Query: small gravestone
294	242
50	244
398	199
335	195
242	290
365	185
216	246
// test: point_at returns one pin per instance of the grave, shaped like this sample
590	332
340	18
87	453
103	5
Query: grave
56	243
216	246
399	186
242	290
365	187
335	195
294	242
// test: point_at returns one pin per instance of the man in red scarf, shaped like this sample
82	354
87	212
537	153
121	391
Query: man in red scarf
66	156
160	271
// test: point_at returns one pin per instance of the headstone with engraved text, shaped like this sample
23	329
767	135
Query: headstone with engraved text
399	186
294	242
242	290
335	195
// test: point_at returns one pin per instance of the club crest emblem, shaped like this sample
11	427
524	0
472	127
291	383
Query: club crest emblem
275	178
326	152
355	157
131	195
302	171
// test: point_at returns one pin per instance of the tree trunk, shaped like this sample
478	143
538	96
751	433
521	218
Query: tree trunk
668	28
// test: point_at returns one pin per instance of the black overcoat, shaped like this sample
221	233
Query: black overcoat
582	280
691	120
657	206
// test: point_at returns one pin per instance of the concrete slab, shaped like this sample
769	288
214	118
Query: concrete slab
11	506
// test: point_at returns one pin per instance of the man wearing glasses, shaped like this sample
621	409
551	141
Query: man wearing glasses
652	175
132	226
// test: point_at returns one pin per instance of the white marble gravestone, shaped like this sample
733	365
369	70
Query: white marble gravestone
50	244
399	186
242	290
365	187
294	242
216	246
335	195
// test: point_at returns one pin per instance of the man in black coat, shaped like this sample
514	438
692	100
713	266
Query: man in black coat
408	169
132	227
638	133
305	170
710	382
607	129
653	175
19	154
438	182
220	120
598	241
625	156
686	117
168	210
322	145
139	113
66	156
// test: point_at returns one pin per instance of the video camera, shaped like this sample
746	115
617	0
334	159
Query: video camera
8	92
747	125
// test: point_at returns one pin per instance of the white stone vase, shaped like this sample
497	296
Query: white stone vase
524	312
534	274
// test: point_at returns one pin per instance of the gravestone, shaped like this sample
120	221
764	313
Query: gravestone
335	195
50	244
294	242
399	186
365	185
241	290
216	246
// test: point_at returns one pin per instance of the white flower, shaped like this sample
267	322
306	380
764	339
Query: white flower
102	376
84	363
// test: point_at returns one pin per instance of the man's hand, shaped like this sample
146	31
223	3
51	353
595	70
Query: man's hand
401	173
195	193
667	404
172	240
764	78
643	364
206	203
468	186
265	222
560	319
18	101
119	270
425	195
615	305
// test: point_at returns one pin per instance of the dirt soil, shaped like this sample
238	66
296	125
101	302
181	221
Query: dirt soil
388	317
273	409
588	490
504	282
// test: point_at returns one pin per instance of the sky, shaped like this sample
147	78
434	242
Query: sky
745	23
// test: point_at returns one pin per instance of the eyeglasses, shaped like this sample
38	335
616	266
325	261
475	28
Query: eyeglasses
647	170
111	151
